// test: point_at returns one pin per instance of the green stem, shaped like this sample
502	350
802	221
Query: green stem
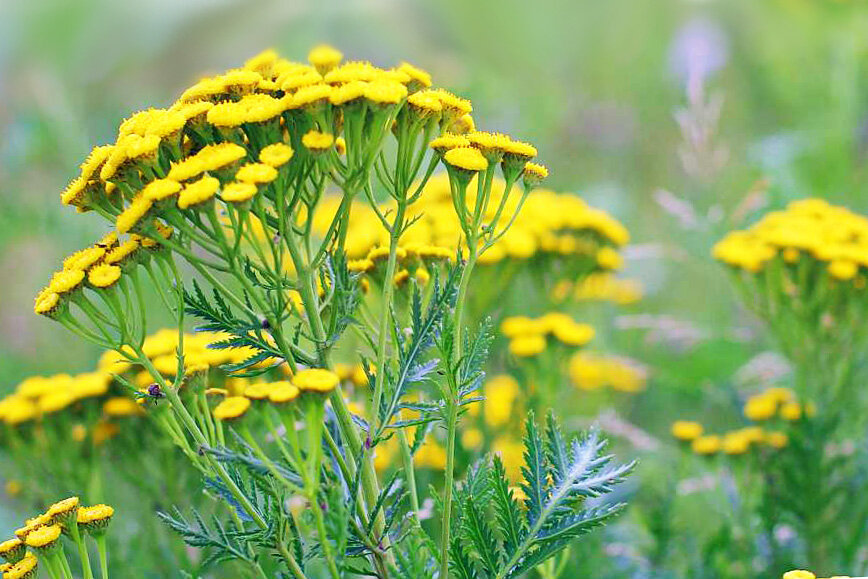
82	550
103	558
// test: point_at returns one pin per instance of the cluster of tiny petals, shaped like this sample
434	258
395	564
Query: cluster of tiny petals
238	192
315	380
198	192
467	158
160	189
811	229
256	173
276	154
317	141
232	408
103	275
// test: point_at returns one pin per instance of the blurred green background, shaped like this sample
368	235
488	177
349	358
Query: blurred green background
682	118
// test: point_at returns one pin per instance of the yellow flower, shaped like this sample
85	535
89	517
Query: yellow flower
472	438
324	57
608	258
84	258
65	281
23	569
134	213
467	158
686	430
236	192
315	380
317	142
232	408
573	334
760	407
512	454
735	443
283	392
198	192
103	275
534	173
416	75
44	537
528	345
843	269
160	189
259	391
776	439
121	406
706	445
54	401
276	154
799	574
425	103
500	393
448	141
12	550
46	303
256	173
791	411
385	92
310	96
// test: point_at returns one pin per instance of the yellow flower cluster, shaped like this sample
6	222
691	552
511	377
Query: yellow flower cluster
776	402
590	371
600	286
98	267
307	381
42	532
811	231
734	442
549	224
39	396
527	336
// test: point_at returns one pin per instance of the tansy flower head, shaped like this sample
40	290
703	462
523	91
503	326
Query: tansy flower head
463	125
134	213
236	192
799	574
283	392
534	174
686	430
262	62
418	77
448	141
123	251
324	57
526	346
84	258
425	103
466	158
706	445
232	408
63	512
385	92
160	189
12	550
258	391
95	520
44	538
317	142
23	569
453	107
276	155
66	281
47	303
103	275
311	96
198	192
256	173
315	380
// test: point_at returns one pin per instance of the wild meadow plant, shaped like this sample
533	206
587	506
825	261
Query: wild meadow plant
296	212
796	464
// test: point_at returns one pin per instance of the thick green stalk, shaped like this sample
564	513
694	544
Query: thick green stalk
103	558
82	550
